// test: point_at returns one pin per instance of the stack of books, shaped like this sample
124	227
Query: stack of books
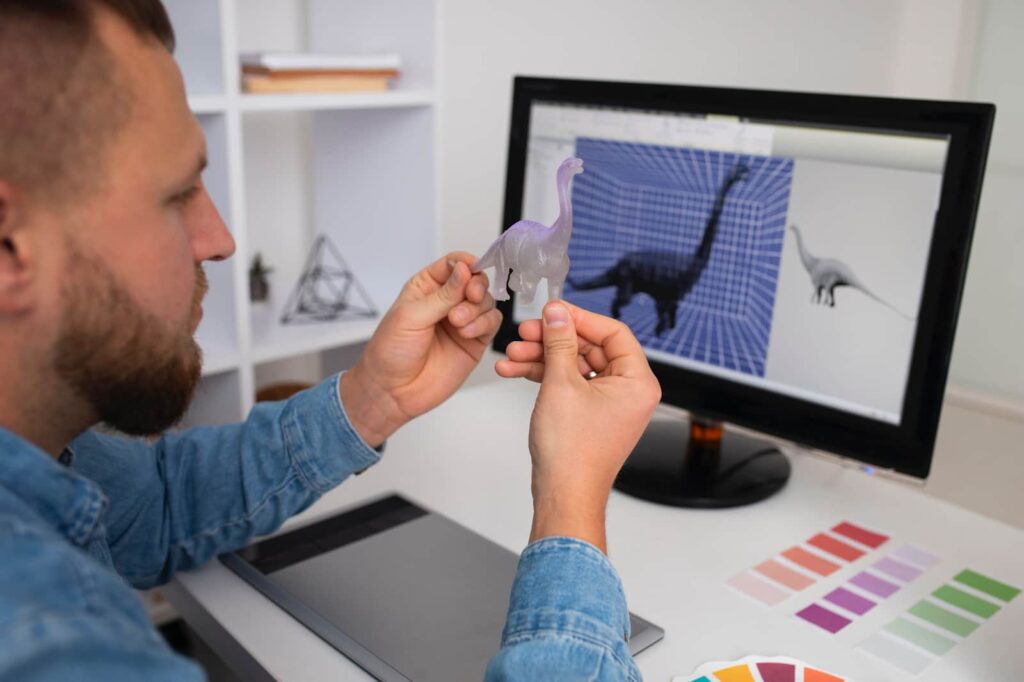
285	72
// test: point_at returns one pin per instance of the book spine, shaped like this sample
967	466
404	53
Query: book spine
318	73
268	85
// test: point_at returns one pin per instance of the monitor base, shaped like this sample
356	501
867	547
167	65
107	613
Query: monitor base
697	464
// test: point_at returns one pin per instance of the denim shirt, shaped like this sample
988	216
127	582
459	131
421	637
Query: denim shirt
125	513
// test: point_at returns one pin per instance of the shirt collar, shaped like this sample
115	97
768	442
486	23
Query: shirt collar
69	502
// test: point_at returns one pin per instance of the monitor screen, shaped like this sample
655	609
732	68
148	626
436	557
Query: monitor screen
775	254
791	262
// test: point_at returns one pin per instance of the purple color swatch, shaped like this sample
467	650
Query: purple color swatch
916	555
900	571
866	581
777	672
850	601
823	618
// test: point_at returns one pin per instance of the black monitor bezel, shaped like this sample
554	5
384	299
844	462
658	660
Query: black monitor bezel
906	448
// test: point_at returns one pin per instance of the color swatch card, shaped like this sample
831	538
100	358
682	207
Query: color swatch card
868	588
940	621
760	669
797	568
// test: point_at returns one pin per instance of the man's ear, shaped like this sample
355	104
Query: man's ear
17	259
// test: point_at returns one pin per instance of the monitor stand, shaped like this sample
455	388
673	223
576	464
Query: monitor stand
696	463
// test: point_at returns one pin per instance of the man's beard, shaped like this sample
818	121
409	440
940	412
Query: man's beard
137	374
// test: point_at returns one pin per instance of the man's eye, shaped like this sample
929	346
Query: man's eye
187	196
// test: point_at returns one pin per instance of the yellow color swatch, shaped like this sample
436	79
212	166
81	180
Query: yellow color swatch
737	673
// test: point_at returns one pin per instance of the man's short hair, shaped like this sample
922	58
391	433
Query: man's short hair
61	98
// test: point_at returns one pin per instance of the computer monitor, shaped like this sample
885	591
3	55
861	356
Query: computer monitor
791	262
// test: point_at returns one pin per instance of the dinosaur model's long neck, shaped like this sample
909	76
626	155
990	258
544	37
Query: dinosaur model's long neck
805	256
704	250
563	225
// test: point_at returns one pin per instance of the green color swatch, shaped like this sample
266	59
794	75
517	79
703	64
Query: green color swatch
987	585
947	620
915	634
967	602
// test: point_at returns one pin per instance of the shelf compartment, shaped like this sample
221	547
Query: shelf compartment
207	104
275	341
338	101
217	401
198	29
219	360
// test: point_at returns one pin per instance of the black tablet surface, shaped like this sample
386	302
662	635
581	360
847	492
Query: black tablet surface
405	593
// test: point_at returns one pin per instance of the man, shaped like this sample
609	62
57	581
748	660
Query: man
104	225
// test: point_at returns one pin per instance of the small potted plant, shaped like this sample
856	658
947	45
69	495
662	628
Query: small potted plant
259	285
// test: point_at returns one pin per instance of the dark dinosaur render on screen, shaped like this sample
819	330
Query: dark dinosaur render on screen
665	276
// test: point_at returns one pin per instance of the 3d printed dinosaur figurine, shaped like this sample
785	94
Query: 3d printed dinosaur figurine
528	250
829	273
666	277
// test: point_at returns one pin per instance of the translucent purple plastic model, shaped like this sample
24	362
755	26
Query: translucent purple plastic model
531	251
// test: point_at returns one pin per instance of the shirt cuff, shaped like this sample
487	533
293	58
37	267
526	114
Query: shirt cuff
323	445
567	586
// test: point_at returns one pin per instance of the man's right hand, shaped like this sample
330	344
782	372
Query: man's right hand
582	430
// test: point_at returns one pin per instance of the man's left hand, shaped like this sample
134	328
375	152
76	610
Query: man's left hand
424	348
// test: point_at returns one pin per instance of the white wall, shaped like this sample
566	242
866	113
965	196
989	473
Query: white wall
988	352
910	48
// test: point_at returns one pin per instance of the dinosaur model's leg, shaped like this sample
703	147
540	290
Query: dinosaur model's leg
516	282
501	275
555	285
672	315
617	304
528	289
662	318
830	298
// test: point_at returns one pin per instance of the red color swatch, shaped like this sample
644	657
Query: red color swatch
835	547
864	537
777	672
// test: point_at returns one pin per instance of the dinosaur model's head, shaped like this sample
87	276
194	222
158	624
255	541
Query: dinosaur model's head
570	167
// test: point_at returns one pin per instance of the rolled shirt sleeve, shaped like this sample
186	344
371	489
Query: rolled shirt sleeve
177	502
567	618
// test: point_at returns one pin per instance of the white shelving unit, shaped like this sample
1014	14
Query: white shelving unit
358	167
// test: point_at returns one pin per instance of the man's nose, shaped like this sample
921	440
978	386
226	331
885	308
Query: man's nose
211	238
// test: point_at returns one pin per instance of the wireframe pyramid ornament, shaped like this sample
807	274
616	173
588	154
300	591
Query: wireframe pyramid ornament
326	288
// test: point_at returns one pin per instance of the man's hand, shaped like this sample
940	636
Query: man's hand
582	430
424	348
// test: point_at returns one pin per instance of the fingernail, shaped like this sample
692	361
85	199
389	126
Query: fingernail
556	316
461	314
456	276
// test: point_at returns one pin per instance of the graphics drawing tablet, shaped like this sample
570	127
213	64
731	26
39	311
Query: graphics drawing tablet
405	593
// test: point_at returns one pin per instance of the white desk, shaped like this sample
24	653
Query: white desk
468	460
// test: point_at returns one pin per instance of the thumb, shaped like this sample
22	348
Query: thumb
435	307
560	344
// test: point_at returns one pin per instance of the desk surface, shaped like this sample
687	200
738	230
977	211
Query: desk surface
468	460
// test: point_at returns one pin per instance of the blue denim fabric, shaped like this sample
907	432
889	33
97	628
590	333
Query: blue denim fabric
567	618
129	513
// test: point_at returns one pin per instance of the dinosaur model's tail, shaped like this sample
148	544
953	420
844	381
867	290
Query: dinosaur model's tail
486	260
859	286
605	279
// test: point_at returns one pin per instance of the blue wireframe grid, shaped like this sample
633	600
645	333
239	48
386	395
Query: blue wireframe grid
640	197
